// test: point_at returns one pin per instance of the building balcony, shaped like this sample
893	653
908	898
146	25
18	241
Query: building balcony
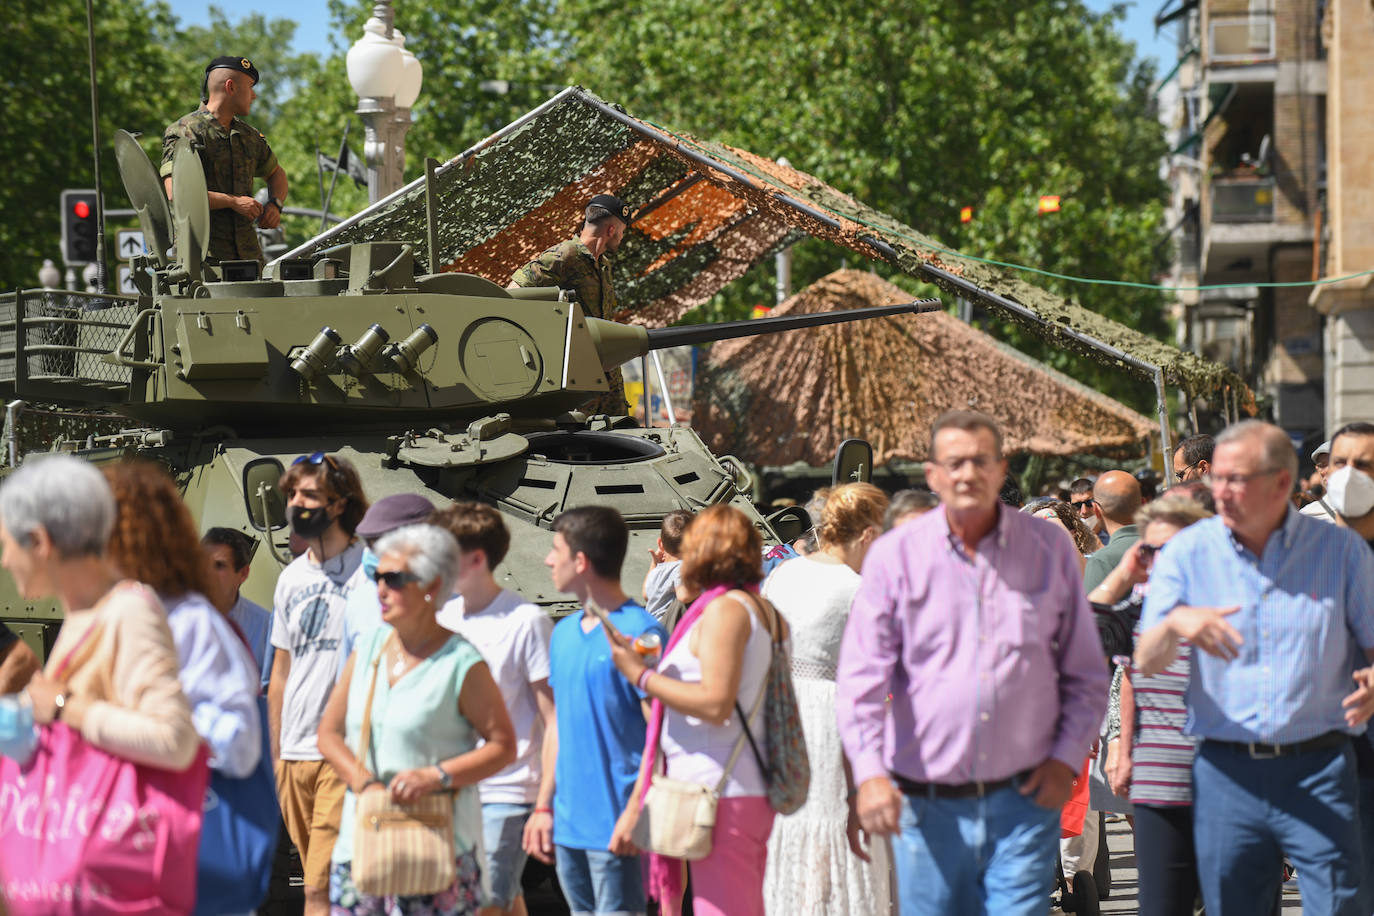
1242	200
1241	39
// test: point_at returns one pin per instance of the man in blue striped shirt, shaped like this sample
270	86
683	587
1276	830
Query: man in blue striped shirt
1281	608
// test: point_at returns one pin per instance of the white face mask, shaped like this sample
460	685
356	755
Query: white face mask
1350	492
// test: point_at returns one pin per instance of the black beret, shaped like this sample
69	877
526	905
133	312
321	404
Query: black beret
612	205
237	64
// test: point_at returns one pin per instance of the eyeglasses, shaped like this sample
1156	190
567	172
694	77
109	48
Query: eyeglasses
1181	473
1237	481
395	579
1148	551
1084	504
979	462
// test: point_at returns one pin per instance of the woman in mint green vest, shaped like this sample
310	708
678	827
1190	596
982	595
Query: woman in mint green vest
433	699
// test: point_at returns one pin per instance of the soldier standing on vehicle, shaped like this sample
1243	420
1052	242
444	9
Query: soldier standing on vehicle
582	265
232	154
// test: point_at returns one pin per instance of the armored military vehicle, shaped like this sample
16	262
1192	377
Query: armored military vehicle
437	383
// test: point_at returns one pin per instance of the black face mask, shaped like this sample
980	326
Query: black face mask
310	523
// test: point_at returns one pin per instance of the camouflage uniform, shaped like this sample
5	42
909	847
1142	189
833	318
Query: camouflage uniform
569	265
231	159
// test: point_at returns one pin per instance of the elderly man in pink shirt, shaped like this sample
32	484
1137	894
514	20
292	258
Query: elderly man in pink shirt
974	621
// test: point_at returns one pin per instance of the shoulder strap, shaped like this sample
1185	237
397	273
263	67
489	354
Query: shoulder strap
365	740
87	642
747	734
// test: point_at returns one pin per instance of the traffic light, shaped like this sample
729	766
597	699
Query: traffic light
78	227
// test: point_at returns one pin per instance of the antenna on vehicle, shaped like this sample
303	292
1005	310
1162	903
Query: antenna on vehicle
432	213
95	151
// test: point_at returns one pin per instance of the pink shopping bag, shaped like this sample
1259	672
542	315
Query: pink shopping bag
84	831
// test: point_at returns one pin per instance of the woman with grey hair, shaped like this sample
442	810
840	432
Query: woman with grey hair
431	697
120	688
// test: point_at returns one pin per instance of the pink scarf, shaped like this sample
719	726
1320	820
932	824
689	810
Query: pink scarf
667	881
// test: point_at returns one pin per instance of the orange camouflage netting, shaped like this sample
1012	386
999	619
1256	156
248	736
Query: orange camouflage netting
710	213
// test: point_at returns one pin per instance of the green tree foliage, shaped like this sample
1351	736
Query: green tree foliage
46	144
918	108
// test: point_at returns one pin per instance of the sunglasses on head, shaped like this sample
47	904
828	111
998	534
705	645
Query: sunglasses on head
396	579
316	459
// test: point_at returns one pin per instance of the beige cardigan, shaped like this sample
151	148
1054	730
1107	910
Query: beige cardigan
129	671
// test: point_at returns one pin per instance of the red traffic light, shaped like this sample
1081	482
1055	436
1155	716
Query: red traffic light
80	242
965	214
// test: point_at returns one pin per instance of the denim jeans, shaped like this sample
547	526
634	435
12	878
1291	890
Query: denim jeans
991	855
1248	813
599	881
503	829
1367	841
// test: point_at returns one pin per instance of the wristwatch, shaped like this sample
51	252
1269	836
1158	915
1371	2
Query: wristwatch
445	780
276	203
59	701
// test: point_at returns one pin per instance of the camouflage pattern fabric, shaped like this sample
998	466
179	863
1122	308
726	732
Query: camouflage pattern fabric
569	265
232	159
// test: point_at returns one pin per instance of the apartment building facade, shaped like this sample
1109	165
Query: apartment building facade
1348	238
1246	107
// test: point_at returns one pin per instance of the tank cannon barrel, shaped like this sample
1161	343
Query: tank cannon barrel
617	344
662	338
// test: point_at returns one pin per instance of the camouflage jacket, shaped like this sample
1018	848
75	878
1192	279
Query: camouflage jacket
232	159
570	265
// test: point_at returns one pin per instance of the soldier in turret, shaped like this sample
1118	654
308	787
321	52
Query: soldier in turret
583	266
232	154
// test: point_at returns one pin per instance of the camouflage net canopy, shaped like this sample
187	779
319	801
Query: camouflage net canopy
796	397
705	213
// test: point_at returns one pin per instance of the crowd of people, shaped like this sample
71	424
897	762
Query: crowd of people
968	680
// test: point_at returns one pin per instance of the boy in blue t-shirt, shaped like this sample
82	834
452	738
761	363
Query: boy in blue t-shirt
600	717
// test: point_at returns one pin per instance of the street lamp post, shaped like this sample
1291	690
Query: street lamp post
387	79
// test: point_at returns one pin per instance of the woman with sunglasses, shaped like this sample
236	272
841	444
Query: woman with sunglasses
1152	759
438	723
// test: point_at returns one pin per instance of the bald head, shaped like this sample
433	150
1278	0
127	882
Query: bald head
1118	496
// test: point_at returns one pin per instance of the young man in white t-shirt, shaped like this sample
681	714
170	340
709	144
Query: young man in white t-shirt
325	503
513	636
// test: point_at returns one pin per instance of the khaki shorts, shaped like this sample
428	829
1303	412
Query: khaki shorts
312	797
